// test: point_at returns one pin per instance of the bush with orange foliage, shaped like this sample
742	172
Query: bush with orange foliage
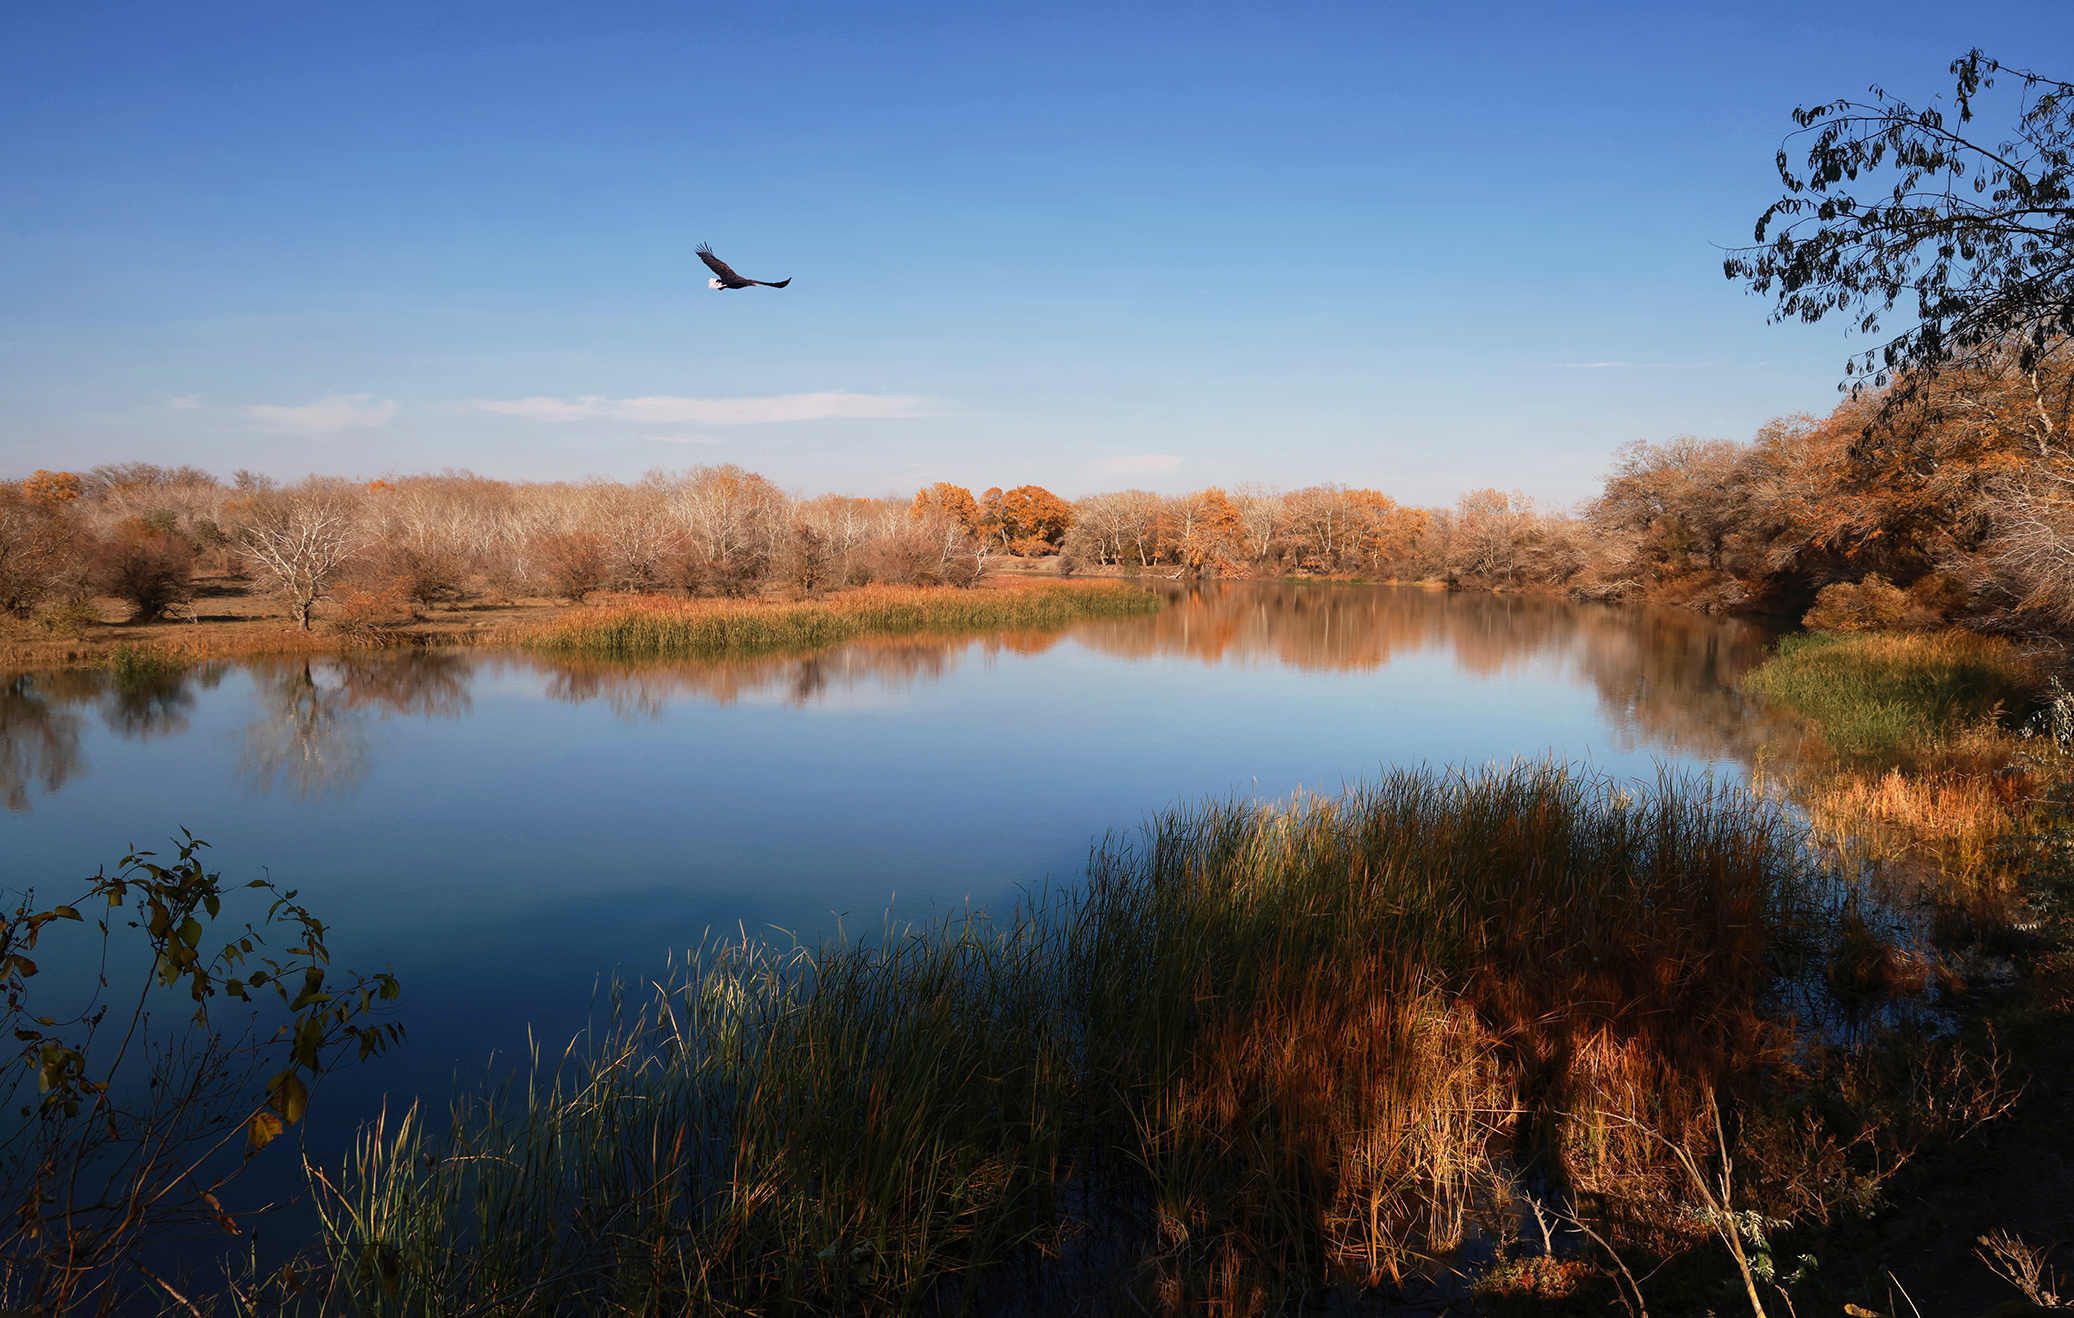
149	569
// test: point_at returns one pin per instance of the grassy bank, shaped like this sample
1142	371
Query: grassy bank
1899	698
720	628
1265	1053
1927	747
1942	761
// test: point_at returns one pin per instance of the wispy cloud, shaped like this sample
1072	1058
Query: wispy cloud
682	439
185	401
338	412
547	409
1601	366
1137	463
666	409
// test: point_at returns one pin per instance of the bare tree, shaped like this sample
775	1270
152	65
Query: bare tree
1260	513
300	540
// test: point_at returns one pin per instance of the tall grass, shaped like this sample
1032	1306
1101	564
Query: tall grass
1921	757
1263	1050
713	628
1893	697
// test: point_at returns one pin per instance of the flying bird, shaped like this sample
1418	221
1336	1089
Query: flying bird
726	278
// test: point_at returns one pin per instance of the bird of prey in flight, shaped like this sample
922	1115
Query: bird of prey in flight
726	278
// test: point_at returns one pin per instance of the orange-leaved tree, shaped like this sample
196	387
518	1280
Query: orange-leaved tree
1204	534
51	487
1028	519
952	501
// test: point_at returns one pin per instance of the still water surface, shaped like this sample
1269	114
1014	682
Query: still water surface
504	829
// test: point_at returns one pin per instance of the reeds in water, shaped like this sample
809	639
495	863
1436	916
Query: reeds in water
713	628
1265	1049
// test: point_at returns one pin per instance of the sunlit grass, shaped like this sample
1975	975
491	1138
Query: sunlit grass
715	628
1895	696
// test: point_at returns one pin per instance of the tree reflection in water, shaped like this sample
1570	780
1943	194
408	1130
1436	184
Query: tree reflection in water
1666	679
39	736
315	714
155	702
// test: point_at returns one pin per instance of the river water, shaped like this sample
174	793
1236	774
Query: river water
506	830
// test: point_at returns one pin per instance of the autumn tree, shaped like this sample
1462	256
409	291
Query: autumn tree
1678	497
1202	532
1384	533
1261	516
952	501
52	487
146	566
1487	533
43	544
736	523
1121	528
1028	520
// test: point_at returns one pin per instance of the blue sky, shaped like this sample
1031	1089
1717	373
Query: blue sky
1417	247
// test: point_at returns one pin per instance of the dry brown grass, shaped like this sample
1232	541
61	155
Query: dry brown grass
646	627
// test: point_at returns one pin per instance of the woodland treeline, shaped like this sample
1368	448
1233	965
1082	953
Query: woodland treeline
1949	498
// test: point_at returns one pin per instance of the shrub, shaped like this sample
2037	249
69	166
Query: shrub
372	610
426	575
1867	606
149	568
574	564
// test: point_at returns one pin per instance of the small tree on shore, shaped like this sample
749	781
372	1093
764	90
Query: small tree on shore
300	541
149	568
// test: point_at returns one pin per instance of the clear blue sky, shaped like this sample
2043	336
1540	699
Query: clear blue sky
1419	247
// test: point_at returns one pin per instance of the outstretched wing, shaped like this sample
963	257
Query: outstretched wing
767	284
718	266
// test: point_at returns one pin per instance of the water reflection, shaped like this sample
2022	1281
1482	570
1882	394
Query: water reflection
39	739
312	732
1665	679
156	702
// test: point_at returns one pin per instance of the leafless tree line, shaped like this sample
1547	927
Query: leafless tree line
406	542
1958	504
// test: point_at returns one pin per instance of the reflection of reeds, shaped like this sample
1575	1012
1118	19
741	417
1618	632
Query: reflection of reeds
1266	1048
740	627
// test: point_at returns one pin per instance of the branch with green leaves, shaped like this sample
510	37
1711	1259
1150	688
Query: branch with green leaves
138	1122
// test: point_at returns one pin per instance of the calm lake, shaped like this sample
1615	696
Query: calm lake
506	830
